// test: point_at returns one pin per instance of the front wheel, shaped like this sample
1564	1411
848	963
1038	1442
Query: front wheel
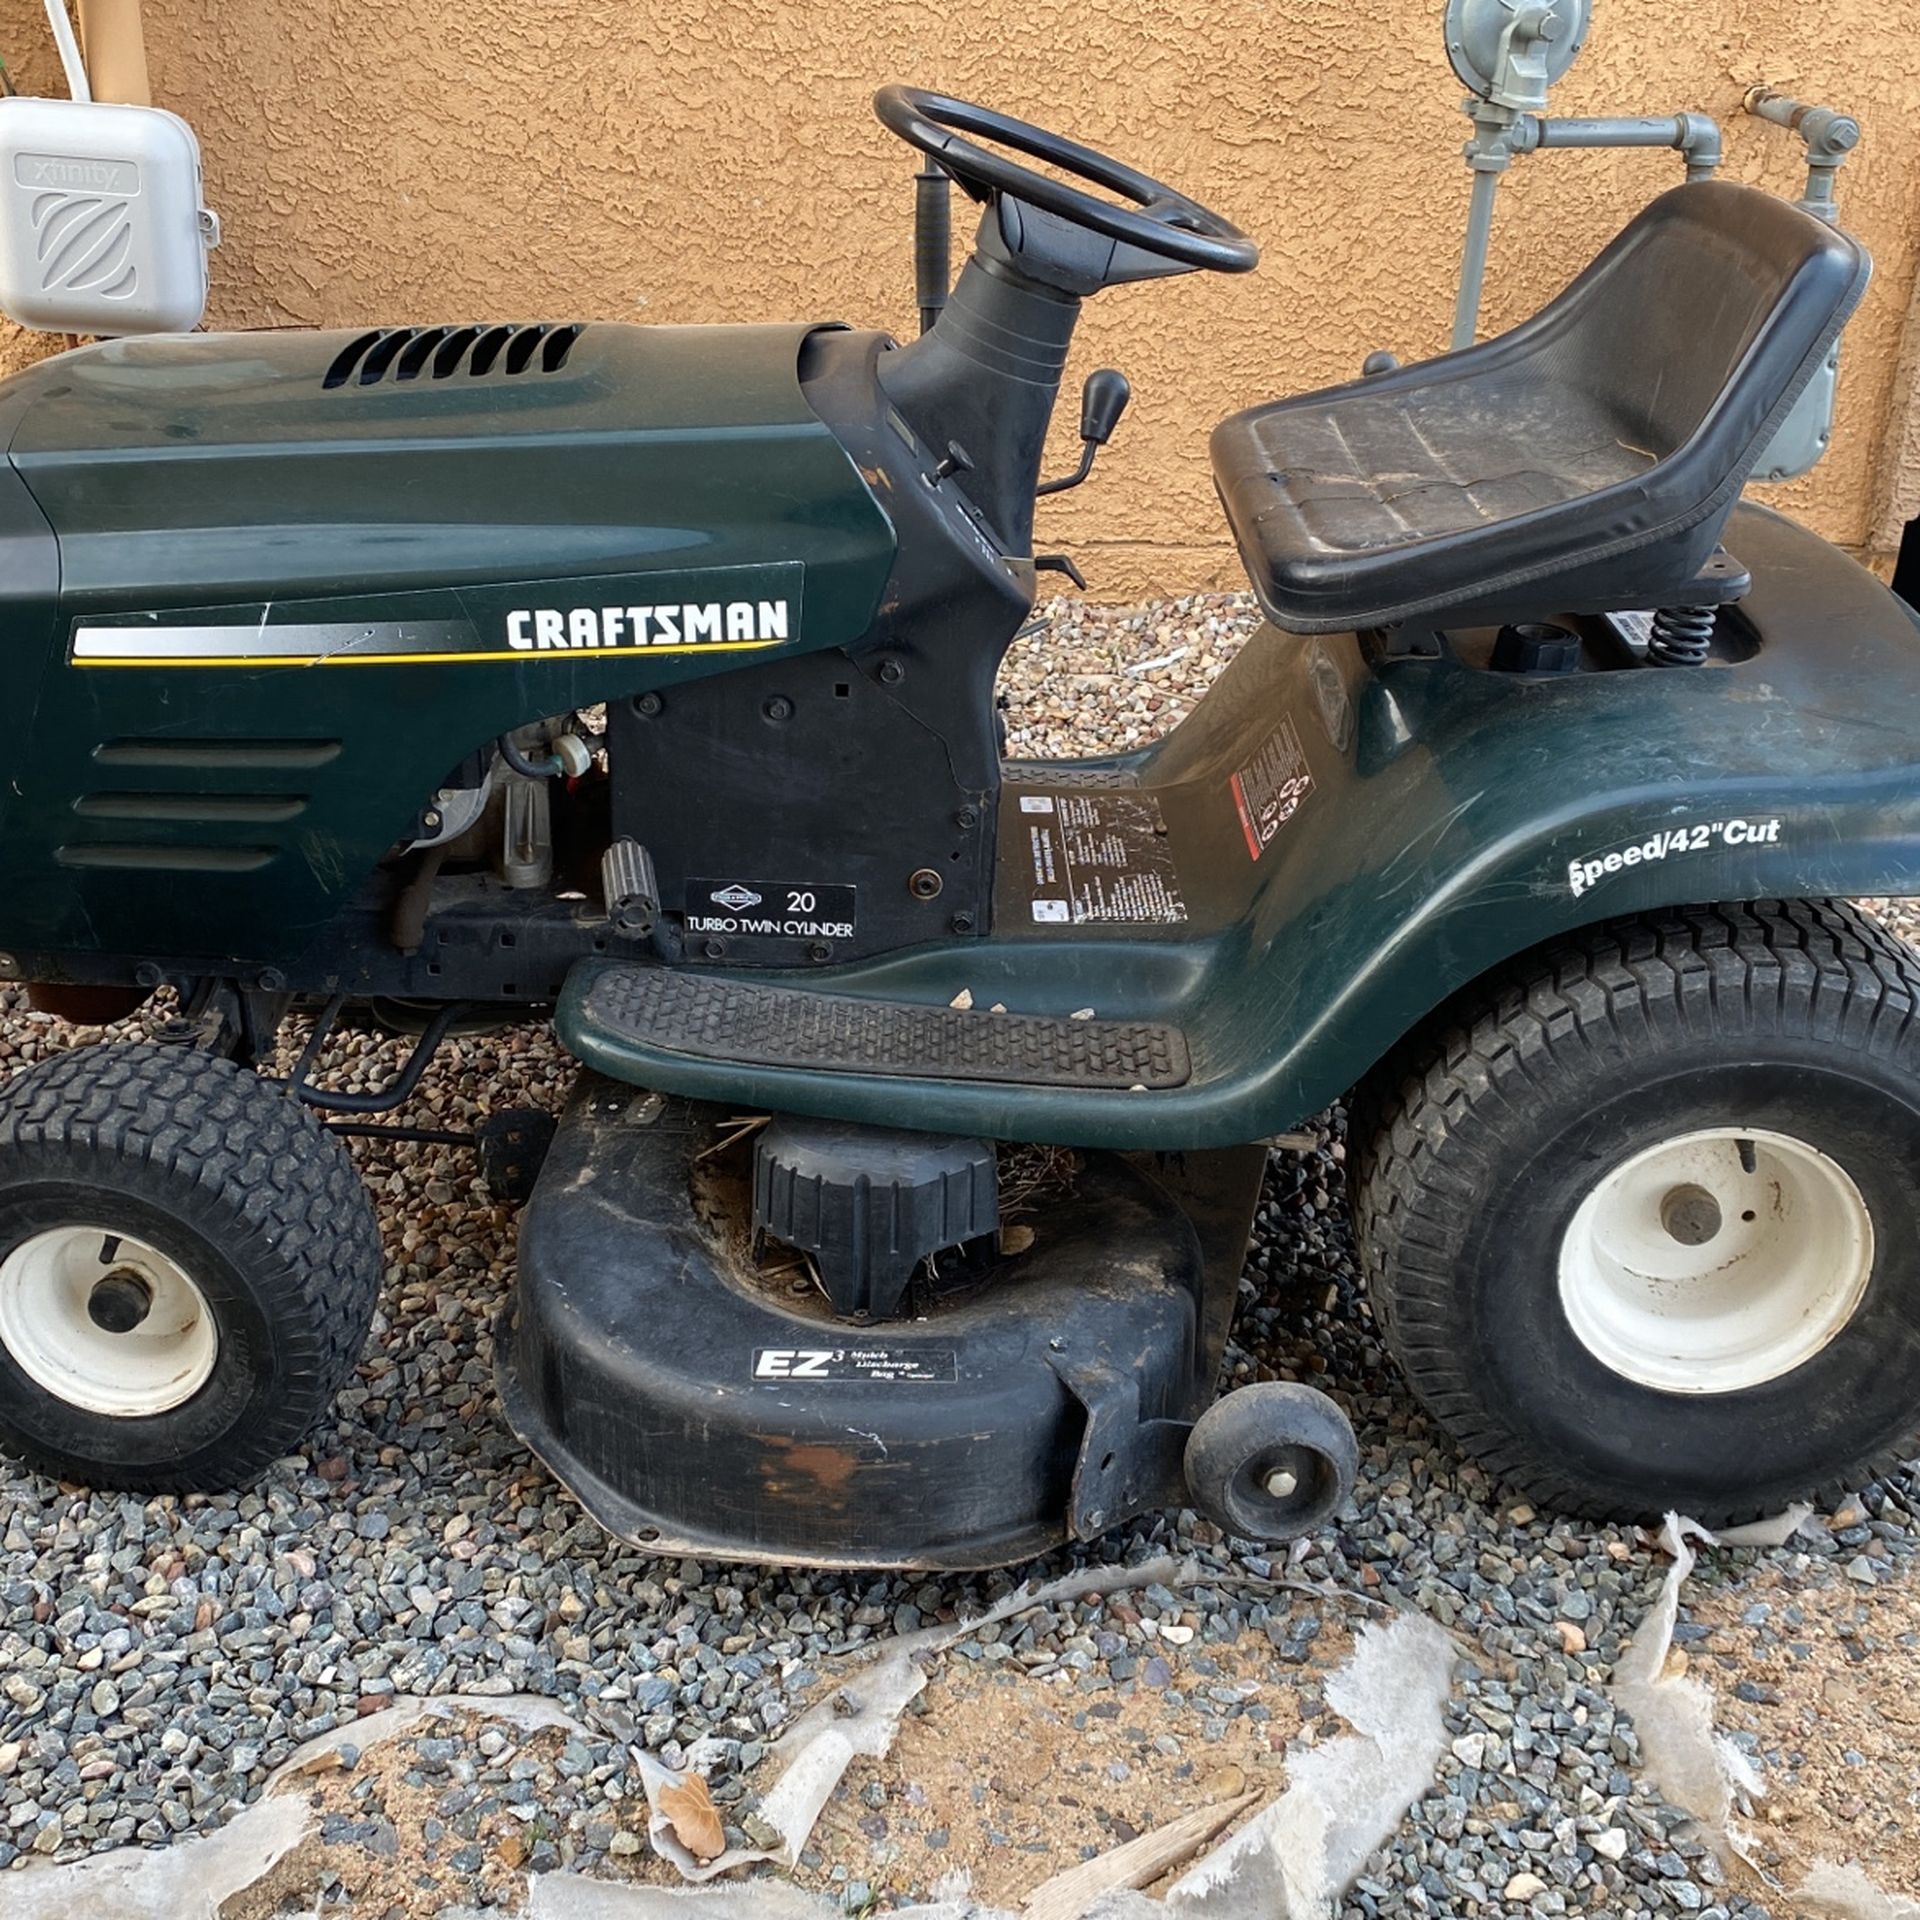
1641	1213
188	1267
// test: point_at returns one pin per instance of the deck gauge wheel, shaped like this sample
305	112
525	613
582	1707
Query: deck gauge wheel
1272	1461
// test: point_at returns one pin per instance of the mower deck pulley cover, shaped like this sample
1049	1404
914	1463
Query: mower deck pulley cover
101	226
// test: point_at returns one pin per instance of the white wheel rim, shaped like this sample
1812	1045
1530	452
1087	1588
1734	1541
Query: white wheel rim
51	1299
1716	1261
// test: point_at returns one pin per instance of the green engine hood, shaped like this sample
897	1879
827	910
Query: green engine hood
223	469
359	561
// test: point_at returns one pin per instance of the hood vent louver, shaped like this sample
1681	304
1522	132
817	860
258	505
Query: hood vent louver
444	353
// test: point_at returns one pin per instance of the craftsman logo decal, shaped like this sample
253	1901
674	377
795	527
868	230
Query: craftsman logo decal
879	1365
1269	791
770	910
1585	872
707	623
684	610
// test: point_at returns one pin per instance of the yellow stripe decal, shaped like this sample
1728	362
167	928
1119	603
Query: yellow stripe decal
499	655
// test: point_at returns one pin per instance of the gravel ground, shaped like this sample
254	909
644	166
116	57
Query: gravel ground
158	1658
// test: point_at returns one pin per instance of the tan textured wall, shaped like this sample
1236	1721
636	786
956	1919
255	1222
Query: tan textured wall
693	161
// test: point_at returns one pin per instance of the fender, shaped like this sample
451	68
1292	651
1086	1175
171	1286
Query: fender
1419	822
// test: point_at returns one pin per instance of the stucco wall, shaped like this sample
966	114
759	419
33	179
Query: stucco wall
688	161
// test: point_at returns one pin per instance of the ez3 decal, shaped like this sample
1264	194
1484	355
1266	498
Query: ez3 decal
1585	873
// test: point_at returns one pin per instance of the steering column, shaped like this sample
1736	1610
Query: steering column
979	388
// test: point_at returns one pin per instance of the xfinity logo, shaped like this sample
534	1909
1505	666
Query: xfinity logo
705	623
738	898
44	171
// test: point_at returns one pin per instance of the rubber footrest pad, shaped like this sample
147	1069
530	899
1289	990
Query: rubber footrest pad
824	1033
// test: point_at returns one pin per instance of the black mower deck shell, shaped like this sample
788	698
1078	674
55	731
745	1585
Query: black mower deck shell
694	1407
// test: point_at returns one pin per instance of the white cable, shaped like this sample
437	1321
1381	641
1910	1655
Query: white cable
69	50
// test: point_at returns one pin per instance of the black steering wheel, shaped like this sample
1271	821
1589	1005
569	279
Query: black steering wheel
1160	221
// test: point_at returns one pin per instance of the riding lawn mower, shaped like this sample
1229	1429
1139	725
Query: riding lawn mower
644	678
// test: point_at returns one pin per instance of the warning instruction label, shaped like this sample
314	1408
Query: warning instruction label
1098	858
1268	791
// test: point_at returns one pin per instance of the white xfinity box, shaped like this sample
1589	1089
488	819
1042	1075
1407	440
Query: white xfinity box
101	226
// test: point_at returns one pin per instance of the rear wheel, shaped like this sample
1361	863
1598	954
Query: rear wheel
188	1266
1641	1213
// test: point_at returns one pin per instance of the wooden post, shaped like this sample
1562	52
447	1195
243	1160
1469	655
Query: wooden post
116	49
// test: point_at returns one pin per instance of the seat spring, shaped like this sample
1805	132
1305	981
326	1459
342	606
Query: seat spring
1682	636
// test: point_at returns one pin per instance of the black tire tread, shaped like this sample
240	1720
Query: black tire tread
1808	967
253	1165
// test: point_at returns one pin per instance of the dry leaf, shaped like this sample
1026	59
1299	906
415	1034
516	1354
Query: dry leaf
1015	1239
695	1819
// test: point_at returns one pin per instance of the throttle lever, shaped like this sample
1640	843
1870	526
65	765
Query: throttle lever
1102	401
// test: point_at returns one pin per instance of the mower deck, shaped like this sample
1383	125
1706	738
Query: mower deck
700	1400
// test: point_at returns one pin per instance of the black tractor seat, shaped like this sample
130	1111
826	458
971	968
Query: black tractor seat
1600	446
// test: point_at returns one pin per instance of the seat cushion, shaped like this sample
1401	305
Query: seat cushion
1368	471
1624	415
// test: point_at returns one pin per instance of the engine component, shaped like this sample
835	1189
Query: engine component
455	809
869	1204
567	757
526	839
628	886
530	757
